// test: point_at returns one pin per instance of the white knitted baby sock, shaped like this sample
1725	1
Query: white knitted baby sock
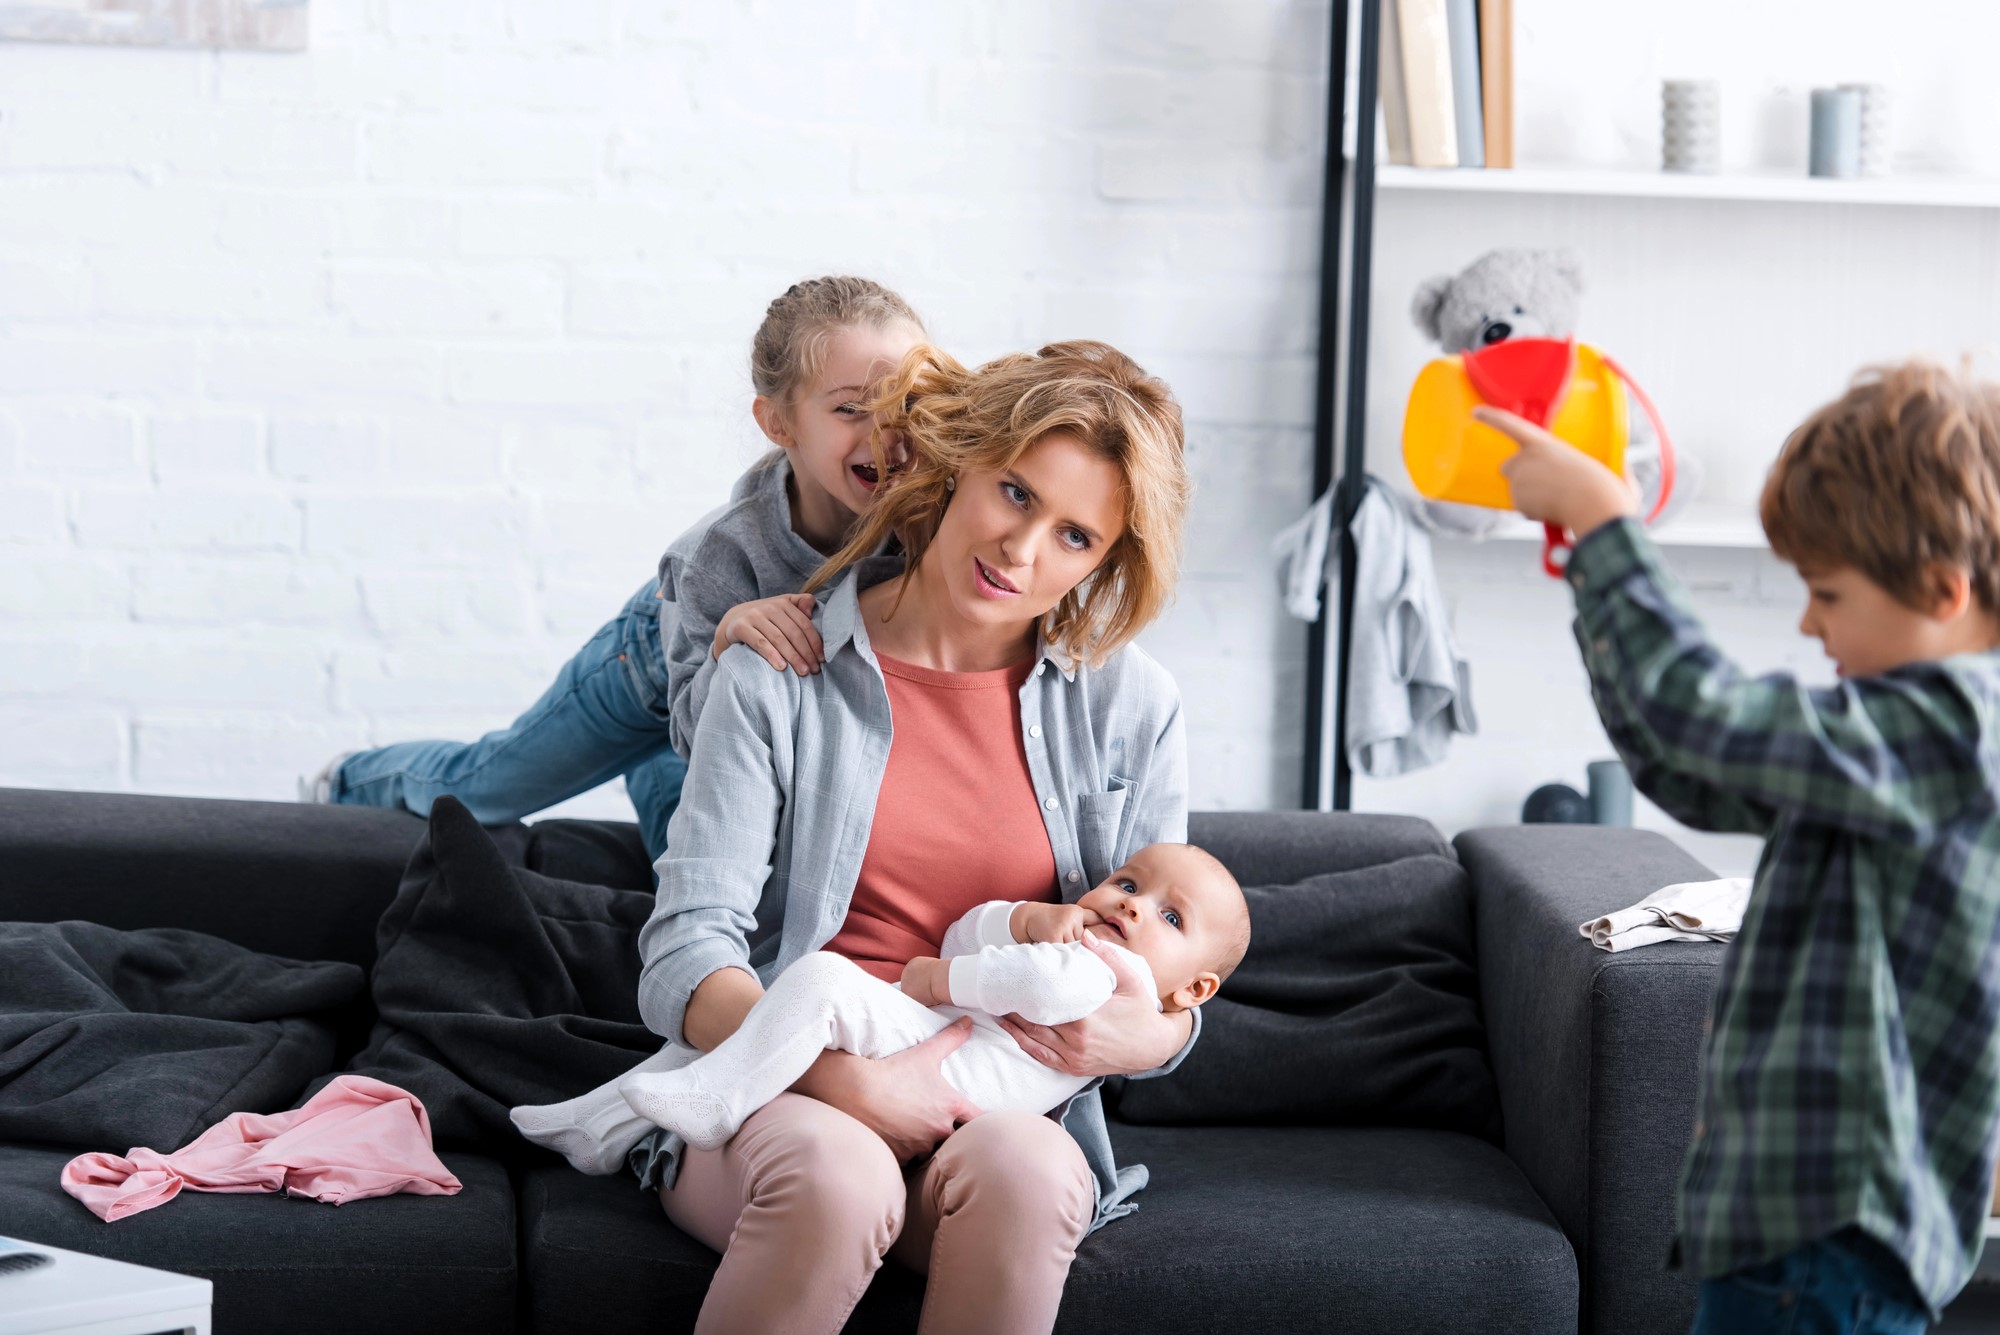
708	1100
594	1131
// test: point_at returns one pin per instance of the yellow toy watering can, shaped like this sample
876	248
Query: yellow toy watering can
1571	388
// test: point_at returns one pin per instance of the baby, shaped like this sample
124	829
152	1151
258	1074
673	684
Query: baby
1172	909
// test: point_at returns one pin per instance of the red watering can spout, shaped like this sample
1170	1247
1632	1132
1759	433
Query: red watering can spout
1526	376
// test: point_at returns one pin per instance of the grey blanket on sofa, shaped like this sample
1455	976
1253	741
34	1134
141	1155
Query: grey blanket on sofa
496	985
111	1039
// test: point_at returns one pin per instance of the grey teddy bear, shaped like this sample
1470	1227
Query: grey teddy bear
1501	295
1523	293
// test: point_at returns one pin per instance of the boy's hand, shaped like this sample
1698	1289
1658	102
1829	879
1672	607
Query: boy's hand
1555	482
780	628
927	981
1050	923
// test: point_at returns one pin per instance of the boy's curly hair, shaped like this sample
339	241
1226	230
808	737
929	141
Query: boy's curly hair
1900	473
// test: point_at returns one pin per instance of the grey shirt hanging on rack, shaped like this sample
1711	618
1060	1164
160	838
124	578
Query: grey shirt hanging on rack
1408	687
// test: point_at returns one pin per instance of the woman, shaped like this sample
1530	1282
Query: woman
1031	751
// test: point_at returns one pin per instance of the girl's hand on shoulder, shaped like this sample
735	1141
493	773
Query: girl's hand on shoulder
780	628
1127	1035
902	1098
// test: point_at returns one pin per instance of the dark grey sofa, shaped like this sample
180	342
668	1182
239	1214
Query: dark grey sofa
1564	1227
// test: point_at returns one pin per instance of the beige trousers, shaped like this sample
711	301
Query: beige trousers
805	1202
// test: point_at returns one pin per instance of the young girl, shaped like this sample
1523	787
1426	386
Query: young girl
628	701
981	729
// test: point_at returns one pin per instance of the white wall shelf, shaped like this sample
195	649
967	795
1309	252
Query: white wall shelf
1697	526
1914	191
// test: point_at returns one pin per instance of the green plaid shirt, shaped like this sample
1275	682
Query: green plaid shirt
1851	1074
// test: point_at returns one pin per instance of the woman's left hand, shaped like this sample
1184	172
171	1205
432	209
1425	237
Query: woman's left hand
1127	1035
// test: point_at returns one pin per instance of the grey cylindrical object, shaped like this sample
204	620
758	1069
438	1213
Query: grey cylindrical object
1836	132
1875	127
1691	126
1610	793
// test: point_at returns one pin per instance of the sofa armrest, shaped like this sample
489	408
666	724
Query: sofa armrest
1597	1055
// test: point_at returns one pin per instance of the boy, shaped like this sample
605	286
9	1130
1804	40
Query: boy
1843	1151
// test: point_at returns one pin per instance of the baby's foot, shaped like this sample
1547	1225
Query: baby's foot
679	1104
593	1132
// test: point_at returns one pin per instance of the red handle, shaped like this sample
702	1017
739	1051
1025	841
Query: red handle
1555	539
1660	430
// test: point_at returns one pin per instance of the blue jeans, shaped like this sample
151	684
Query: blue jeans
1846	1284
604	715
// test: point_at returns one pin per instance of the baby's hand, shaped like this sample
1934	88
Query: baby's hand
780	628
927	981
1555	482
1053	923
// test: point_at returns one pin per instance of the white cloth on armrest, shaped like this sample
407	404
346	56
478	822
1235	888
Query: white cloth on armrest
1687	911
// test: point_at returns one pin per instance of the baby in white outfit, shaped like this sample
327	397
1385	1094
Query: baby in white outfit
1172	910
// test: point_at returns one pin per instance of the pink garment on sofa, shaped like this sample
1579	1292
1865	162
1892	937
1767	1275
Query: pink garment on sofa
354	1139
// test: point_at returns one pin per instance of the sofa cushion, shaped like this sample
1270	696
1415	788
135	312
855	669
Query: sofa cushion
1295	1228
598	1256
1369	971
113	1039
305	882
382	1267
499	986
1243	1228
595	852
1277	847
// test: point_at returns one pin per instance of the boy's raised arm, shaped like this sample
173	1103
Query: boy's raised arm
1692	802
1884	756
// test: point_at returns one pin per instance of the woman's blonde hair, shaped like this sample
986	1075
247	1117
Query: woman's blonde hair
791	344
955	420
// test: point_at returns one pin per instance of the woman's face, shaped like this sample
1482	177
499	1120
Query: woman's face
1013	542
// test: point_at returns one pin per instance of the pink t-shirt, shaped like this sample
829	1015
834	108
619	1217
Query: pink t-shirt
956	824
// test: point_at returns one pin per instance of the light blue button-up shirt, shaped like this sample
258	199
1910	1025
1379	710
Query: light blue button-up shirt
766	846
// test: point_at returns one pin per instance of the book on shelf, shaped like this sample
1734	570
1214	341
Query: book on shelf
1496	80
1389	78
1445	75
1424	34
1462	19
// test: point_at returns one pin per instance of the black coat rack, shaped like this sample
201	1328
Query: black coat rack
1352	457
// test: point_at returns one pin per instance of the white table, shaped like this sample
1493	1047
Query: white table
79	1294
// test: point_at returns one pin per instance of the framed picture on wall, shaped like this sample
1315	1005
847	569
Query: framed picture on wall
254	25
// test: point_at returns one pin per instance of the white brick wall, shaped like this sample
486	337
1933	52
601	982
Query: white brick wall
343	394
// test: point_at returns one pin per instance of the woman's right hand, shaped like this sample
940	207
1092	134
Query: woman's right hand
780	628
902	1098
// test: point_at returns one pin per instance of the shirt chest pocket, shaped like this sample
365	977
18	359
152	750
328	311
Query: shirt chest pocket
1100	823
